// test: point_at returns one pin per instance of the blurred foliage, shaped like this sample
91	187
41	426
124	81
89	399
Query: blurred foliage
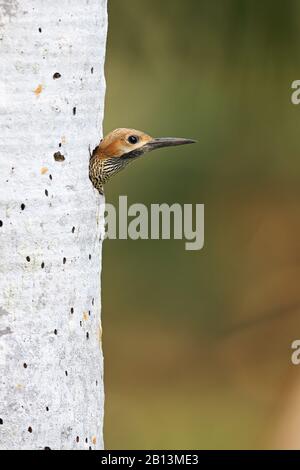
181	370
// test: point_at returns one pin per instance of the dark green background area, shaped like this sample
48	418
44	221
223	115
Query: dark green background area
197	343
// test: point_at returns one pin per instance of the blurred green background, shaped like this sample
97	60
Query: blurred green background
197	343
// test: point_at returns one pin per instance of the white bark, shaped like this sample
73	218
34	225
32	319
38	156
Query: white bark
51	392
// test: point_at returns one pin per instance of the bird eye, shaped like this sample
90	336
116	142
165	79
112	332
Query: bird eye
133	139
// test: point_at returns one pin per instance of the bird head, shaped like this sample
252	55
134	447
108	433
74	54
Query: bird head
120	147
128	144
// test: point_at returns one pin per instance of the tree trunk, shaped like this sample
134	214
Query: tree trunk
51	220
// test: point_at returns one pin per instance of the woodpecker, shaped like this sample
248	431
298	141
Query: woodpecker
119	148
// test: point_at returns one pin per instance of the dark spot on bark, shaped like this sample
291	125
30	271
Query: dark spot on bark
86	440
58	157
1	421
40	30
87	335
25	365
46	192
74	110
72	310
66	372
89	313
96	383
50	177
23	206
56	75
43	265
47	408
92	70
30	429
1	223
47	448
64	260
90	256
90	448
55	331
59	144
93	301
77	439
73	229
80	323
28	259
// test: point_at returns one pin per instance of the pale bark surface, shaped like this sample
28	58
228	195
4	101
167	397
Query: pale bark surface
51	220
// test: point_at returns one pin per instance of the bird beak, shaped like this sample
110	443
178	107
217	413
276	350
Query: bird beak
156	144
166	142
